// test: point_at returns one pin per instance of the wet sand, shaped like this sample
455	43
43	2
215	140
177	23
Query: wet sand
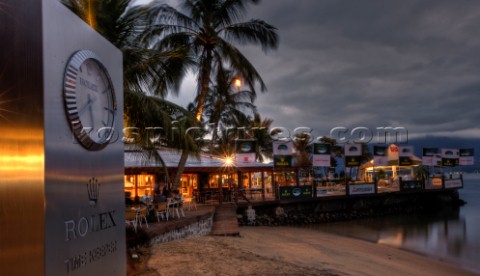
287	251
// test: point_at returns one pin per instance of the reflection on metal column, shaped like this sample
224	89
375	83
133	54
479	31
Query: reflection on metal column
21	139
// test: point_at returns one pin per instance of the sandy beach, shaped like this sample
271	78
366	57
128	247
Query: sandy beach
287	251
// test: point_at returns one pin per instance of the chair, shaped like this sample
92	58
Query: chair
190	203
175	206
161	210
131	218
180	207
142	215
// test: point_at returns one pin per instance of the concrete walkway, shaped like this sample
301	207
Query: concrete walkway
225	221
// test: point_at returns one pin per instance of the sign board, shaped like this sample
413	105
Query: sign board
68	210
361	189
410	185
282	148
429	156
352	161
282	161
380	155
244	159
321	155
450	157
405	154
353	155
245	152
294	192
434	183
466	157
453	183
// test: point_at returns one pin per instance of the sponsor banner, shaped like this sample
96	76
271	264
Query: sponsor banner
353	150
450	162
245	146
322	149
410	185
405	151
245	159
450	157
322	191
321	155
282	161
282	148
352	161
405	161
393	152
453	183
434	183
466	157
404	155
361	189
430	156
450	153
380	155
321	160
294	192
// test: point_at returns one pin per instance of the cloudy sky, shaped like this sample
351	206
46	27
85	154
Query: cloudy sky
370	63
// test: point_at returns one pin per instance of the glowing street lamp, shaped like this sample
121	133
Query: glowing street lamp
237	83
228	161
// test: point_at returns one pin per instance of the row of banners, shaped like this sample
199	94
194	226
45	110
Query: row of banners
430	157
382	154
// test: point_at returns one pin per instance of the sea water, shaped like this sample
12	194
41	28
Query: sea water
453	237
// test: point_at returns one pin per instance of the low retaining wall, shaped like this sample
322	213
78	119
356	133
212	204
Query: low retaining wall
201	227
336	209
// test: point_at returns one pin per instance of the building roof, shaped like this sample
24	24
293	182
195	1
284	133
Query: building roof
140	159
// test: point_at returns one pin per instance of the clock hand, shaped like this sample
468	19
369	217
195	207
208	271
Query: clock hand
90	109
87	104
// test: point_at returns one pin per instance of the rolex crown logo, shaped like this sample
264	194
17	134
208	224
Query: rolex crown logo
93	188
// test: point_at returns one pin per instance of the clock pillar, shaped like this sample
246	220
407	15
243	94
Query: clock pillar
61	204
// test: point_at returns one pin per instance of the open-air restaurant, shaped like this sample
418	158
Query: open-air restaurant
211	179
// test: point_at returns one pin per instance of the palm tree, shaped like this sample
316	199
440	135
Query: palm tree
148	69
302	148
260	129
227	105
209	28
146	111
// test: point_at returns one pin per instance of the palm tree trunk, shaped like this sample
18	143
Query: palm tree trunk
205	78
180	169
214	136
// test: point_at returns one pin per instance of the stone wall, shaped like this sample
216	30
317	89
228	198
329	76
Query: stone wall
199	228
336	209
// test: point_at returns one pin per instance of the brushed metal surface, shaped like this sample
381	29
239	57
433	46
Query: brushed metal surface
21	139
44	172
79	237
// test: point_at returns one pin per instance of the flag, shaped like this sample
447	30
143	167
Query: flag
282	148
353	154
450	157
245	152
380	157
429	156
466	157
404	155
321	155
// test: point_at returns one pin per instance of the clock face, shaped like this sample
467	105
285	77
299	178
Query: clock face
89	100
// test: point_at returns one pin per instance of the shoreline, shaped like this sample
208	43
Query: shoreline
286	251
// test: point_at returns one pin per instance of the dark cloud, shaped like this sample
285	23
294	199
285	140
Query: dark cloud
372	63
412	64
